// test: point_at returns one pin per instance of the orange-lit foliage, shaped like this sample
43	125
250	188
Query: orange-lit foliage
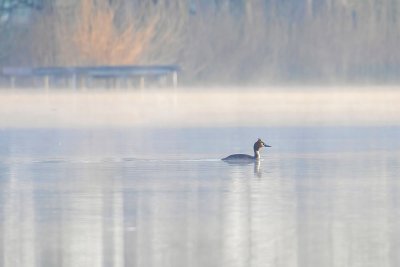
88	34
97	39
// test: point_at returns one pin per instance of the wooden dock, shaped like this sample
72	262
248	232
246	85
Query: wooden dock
91	76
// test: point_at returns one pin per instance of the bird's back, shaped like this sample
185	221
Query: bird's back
238	157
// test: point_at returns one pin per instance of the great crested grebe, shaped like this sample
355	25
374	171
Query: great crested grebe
243	157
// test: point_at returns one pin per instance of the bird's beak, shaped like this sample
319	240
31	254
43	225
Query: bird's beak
266	145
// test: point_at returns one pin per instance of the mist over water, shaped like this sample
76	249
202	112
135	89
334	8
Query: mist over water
202	107
135	178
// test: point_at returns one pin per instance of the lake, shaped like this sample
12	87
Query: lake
159	196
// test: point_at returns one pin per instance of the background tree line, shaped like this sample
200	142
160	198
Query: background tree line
215	41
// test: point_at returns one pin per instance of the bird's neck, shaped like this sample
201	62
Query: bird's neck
256	154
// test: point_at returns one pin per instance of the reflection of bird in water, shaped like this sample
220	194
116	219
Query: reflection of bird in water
247	158
256	164
257	170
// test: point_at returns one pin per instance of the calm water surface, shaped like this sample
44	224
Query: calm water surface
161	197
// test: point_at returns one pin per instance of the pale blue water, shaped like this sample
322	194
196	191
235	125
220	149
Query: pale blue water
161	197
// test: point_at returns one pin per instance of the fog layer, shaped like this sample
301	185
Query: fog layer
201	108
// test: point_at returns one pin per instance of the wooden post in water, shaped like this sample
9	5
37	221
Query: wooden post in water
74	82
141	82
12	82
46	82
175	79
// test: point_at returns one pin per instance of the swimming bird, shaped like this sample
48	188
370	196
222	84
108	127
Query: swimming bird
244	157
